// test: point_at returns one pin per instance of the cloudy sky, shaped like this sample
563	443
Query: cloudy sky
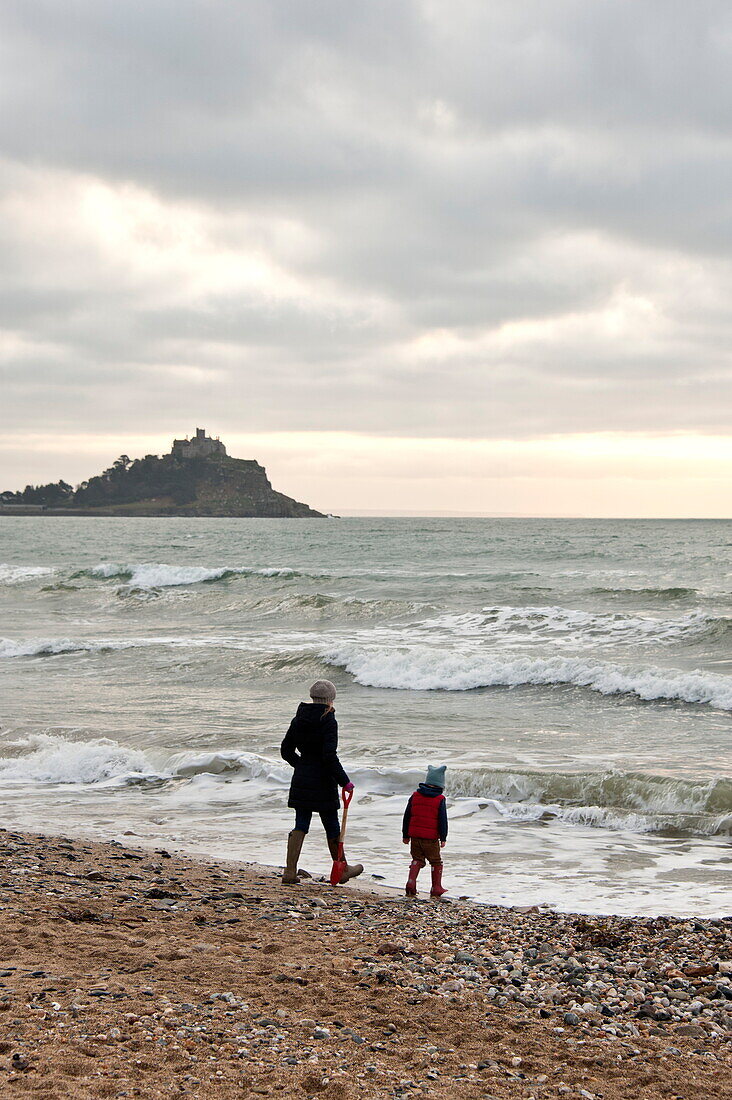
412	255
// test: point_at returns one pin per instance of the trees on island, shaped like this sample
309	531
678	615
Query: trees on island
127	480
53	495
147	478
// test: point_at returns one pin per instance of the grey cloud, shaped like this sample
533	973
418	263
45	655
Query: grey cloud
435	155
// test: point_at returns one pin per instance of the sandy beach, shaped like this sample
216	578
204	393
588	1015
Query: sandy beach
128	972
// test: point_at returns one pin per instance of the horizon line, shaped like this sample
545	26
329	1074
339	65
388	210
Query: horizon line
365	513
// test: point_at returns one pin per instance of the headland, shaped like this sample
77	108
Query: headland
196	478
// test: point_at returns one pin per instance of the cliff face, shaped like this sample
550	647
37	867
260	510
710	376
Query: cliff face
239	487
171	486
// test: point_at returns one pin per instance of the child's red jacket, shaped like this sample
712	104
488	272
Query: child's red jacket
426	814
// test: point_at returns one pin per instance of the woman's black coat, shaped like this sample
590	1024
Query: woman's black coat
311	747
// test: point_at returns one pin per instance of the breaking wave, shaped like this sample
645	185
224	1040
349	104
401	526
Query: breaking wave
152	575
246	765
162	575
636	802
600	817
18	574
156	574
630	791
390	659
49	759
631	801
427	668
562	625
51	647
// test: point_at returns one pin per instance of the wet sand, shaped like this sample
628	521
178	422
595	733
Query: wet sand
127	972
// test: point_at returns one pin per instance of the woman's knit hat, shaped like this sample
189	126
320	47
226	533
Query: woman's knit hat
323	691
436	776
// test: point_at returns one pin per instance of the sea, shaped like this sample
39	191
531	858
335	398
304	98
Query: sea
575	676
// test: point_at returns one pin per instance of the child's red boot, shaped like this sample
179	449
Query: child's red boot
414	868
437	888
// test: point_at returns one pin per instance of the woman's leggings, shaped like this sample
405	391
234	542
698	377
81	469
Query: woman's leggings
331	824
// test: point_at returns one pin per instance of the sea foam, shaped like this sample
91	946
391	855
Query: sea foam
160	575
47	758
52	647
630	801
50	759
562	625
633	801
246	765
428	668
638	792
18	574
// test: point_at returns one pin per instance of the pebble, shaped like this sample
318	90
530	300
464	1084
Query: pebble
616	976
601	978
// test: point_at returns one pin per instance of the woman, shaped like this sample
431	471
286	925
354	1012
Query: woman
311	748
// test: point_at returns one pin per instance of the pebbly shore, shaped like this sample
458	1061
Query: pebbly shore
126	972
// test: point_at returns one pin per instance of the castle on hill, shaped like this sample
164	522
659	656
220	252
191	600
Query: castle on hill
201	446
195	478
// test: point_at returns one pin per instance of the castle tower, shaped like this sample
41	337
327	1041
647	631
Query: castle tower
201	446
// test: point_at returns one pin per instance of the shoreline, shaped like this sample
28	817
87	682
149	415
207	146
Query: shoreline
109	513
369	882
129	971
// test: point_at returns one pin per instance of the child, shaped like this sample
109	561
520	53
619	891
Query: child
425	829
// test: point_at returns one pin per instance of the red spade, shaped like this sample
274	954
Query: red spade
339	865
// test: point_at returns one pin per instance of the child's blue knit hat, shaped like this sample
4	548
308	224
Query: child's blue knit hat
436	776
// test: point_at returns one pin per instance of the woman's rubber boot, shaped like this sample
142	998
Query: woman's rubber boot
437	888
294	847
411	888
352	870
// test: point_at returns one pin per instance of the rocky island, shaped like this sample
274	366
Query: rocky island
197	478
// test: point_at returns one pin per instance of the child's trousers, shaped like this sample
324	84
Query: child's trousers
425	851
